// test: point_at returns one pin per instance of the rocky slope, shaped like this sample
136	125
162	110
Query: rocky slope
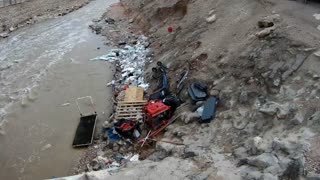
261	58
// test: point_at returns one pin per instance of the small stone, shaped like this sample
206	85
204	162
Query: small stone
243	98
240	152
211	18
212	12
315	77
265	32
214	92
317	53
11	29
263	161
298	118
4	35
131	21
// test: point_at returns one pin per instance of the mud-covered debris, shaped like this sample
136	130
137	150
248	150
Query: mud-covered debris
263	161
109	20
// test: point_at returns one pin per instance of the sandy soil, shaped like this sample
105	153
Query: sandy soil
30	12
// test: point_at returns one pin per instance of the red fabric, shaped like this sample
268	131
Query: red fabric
126	126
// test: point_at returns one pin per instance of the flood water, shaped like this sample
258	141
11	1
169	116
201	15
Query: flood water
43	69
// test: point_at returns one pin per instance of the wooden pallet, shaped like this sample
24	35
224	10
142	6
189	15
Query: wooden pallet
130	110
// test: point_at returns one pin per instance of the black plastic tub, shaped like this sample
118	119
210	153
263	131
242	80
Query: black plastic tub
85	131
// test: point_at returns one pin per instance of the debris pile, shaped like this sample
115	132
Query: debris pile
130	61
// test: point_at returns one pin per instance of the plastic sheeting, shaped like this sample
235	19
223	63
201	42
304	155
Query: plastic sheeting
132	61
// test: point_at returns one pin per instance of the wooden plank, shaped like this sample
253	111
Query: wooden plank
132	104
133	94
129	111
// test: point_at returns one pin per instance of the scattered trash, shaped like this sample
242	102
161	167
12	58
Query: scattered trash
113	136
198	91
128	129
45	147
209	110
131	61
181	81
65	104
317	16
163	83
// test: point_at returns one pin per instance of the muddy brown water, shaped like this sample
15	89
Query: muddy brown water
44	69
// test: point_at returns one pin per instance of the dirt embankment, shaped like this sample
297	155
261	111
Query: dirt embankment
30	12
261	58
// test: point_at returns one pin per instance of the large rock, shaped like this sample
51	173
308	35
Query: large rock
293	149
273	108
240	152
248	173
299	117
263	161
268	176
295	170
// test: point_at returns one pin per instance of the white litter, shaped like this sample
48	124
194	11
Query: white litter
132	61
135	157
317	16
